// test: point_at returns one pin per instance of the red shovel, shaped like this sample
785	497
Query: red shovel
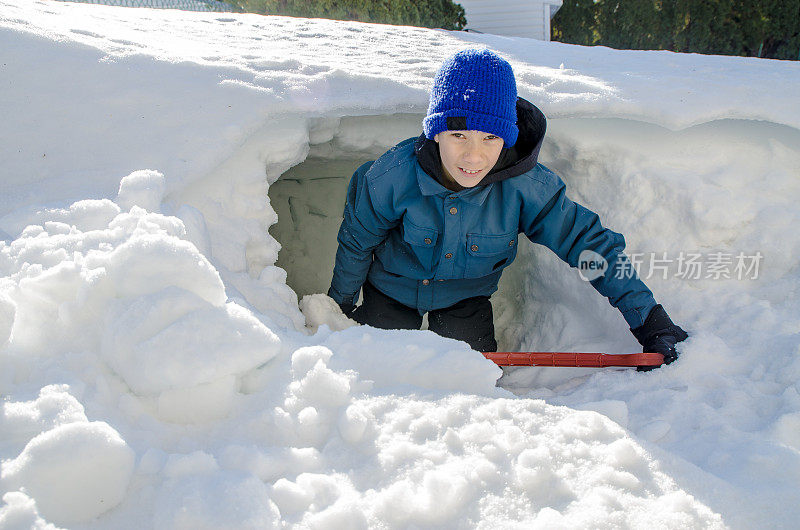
588	360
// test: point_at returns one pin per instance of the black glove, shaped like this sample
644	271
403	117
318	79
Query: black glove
347	308
659	335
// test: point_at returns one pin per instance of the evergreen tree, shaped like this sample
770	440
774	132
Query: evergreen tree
629	24
424	13
763	28
575	23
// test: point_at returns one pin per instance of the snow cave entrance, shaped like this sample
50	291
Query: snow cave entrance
309	199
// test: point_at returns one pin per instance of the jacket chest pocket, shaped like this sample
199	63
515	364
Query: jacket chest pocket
488	253
422	242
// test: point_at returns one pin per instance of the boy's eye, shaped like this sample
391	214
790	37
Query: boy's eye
492	137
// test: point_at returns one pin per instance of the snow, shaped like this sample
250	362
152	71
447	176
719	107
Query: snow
19	513
75	471
144	189
170	192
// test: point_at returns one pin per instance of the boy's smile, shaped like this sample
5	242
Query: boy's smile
468	156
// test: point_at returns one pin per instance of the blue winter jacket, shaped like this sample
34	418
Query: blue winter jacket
428	247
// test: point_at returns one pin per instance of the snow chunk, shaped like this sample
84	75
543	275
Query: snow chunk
212	501
143	188
304	359
175	339
290	496
91	214
55	406
331	501
322	386
146	263
395	358
75	472
320	309
354	423
20	513
315	397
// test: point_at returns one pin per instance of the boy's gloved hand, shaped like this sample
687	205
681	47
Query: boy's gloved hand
659	335
347	308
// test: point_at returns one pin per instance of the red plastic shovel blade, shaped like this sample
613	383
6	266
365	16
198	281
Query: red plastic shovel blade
588	360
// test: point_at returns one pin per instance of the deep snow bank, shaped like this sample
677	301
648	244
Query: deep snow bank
142	317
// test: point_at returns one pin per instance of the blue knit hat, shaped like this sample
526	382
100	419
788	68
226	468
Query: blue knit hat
474	90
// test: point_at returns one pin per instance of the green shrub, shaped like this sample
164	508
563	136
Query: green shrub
424	13
575	23
762	28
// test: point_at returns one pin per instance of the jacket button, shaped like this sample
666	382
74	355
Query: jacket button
448	255
453	210
474	248
428	241
425	282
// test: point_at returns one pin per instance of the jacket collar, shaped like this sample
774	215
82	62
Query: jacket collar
513	161
430	186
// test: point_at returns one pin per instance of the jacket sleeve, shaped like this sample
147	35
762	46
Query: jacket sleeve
365	225
568	229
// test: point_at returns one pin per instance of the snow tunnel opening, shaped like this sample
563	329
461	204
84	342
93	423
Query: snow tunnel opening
309	200
309	197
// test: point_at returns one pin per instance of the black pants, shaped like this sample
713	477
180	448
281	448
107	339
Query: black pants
469	320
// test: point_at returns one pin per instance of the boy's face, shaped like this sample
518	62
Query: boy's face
468	156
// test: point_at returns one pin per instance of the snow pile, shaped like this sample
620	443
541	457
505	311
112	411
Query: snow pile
20	513
75	469
157	371
134	290
325	440
75	472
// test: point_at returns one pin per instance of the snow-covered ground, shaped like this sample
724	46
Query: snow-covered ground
156	370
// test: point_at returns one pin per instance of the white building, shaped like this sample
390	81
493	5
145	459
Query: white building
513	18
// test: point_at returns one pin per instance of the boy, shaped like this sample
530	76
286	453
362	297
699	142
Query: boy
430	225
